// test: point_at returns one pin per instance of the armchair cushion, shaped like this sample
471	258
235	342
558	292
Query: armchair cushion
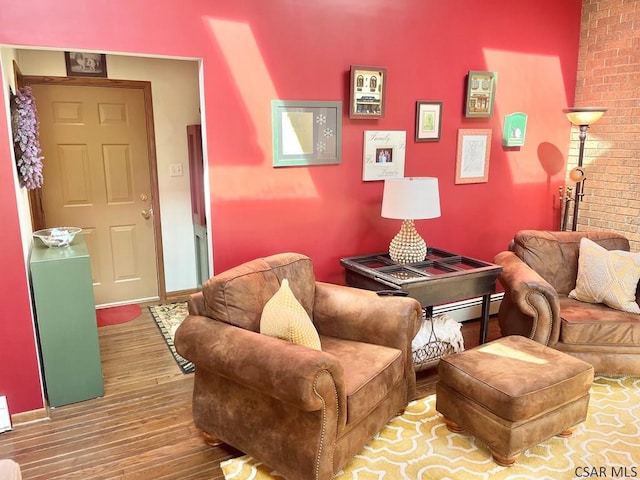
607	276
364	389
238	296
596	324
283	317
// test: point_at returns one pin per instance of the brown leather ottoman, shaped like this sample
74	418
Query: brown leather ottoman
512	394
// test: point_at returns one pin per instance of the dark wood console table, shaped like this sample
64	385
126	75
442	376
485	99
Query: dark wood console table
442	277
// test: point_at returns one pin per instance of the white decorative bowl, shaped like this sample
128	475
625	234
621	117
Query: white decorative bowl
58	236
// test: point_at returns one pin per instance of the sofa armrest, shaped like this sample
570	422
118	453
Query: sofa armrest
196	305
288	372
529	300
363	316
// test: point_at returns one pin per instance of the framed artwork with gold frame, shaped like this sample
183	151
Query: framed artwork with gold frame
481	92
367	96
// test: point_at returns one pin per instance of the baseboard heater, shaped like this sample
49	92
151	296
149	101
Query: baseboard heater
470	309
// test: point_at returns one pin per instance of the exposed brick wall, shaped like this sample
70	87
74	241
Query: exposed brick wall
609	76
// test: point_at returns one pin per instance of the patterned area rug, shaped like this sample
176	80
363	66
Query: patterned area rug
418	446
168	318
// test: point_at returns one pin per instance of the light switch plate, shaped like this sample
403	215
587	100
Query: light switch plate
175	170
5	419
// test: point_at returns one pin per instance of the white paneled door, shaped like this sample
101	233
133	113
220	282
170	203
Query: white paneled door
97	176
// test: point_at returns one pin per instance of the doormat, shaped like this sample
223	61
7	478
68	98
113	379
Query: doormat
168	318
115	315
418	446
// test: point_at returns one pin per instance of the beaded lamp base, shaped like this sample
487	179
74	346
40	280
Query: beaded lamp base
407	246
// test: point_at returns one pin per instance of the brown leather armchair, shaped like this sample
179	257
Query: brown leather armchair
538	272
302	412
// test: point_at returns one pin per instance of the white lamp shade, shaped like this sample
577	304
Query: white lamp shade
411	198
584	115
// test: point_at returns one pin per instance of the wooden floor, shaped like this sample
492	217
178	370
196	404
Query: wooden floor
142	427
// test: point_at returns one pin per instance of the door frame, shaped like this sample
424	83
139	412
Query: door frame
35	196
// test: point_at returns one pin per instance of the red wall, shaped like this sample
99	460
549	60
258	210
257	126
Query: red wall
19	375
254	51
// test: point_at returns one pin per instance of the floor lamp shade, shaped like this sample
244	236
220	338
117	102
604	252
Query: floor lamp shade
409	199
584	115
581	117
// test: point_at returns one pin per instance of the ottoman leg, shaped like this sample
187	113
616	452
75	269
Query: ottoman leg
453	426
568	432
502	460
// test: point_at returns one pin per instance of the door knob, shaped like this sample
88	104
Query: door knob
147	213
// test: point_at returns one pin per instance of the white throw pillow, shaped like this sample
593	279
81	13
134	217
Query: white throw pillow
607	276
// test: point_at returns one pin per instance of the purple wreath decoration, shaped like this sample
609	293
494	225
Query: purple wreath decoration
26	139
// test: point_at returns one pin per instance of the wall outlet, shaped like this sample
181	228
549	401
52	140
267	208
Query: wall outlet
175	170
5	419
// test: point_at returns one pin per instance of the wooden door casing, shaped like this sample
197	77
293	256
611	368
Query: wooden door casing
198	214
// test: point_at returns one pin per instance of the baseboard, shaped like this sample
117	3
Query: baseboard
30	416
128	302
180	295
470	309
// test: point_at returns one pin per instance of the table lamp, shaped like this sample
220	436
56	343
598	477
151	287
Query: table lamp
581	117
409	199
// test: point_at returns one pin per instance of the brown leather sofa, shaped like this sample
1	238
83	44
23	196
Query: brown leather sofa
302	412
539	271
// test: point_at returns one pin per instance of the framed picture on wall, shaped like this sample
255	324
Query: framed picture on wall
428	121
83	64
368	86
306	132
481	92
383	154
514	130
472	158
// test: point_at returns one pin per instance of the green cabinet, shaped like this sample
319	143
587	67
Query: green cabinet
66	322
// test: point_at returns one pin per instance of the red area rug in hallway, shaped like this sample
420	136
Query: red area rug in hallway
116	315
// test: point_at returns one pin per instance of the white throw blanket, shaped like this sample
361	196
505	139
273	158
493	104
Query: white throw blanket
440	328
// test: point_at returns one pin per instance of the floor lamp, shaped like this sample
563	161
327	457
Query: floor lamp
410	199
581	117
